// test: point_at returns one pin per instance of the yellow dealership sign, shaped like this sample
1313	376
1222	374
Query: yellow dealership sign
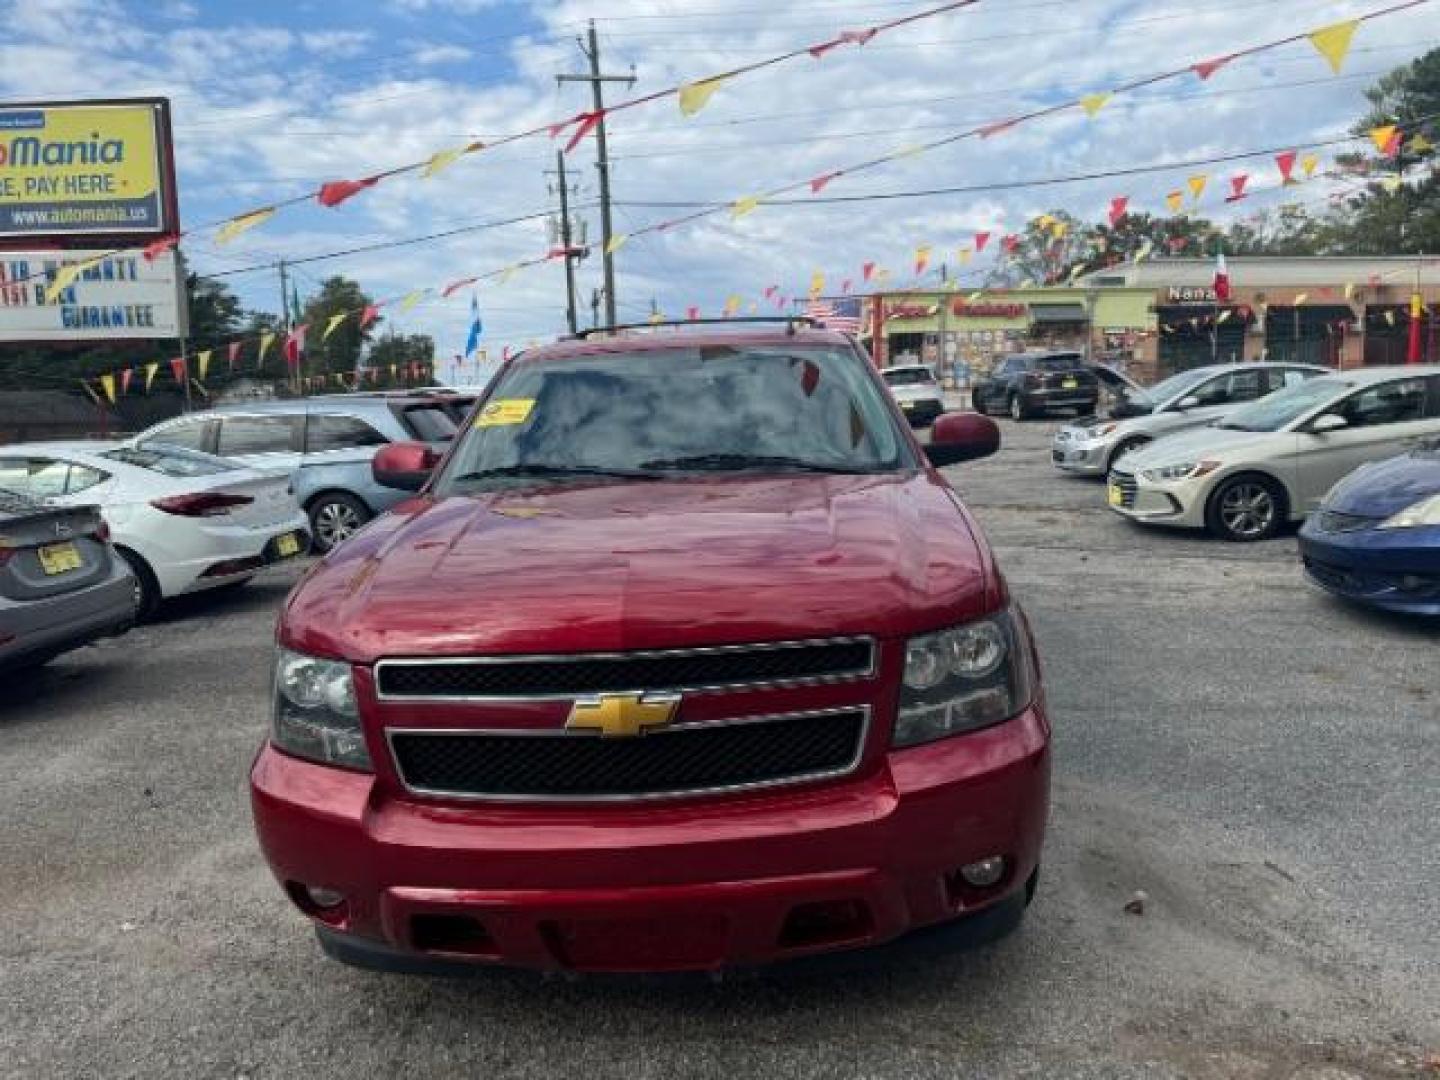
96	168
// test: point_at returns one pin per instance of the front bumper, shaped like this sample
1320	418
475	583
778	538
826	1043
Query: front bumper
704	885
1075	452
1392	569
1180	503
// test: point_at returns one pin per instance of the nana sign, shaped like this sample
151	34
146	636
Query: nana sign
121	297
94	168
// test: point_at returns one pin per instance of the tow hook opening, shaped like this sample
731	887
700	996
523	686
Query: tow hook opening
451	934
828	922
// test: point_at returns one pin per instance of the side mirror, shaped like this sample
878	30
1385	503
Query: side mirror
1329	422
405	466
958	437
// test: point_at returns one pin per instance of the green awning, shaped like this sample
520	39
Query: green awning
1057	313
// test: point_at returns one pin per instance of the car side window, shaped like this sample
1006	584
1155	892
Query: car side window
1280	378
255	435
330	432
189	435
1389	403
38	478
1214	392
83	477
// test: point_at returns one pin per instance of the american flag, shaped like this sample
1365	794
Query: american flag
842	315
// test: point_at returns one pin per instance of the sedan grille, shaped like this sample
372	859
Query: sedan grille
1128	488
730	667
685	760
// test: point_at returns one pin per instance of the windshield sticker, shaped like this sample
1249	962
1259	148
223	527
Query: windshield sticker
505	413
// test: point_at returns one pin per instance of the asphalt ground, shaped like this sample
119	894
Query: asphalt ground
1258	759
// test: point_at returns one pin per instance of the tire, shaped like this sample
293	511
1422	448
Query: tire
1246	509
1018	409
147	588
1125	446
977	402
334	518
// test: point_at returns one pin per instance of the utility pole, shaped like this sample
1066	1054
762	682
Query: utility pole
567	244
594	308
285	314
602	164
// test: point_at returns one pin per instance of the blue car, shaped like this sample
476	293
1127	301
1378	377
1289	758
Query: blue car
1376	538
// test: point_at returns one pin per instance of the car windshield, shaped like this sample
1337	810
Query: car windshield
1176	385
170	461
909	376
656	413
1285	406
1067	362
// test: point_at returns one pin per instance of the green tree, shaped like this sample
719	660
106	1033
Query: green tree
399	351
341	350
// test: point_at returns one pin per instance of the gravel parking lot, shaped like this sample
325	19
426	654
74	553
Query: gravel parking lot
1261	761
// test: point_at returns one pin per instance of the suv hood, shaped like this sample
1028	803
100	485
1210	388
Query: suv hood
1384	488
648	565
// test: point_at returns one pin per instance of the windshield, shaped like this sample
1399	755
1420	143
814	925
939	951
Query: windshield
1176	385
653	414
170	461
1285	406
1067	362
908	376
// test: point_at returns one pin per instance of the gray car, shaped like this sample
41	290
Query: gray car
61	584
327	443
917	391
1191	399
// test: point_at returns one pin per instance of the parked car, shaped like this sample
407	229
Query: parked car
1376	537
1273	460
183	521
1116	388
631	686
325	442
1037	384
1191	399
917	391
61	584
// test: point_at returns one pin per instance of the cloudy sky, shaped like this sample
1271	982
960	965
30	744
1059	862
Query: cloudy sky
270	98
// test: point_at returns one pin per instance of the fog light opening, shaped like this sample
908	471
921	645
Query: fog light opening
984	873
319	902
979	881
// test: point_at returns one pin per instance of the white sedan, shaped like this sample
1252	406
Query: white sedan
184	521
1272	461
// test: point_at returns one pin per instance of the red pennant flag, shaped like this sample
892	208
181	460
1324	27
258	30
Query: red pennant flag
781	303
1286	162
369	315
1118	206
1177	243
456	285
295	344
818	184
1237	187
505	353
587	124
125	377
845	287
858	37
996	128
809	376
1206	68
692	313
159	247
177	369
1010	244
1392	145
337	191
868	270
771	290
233	353
824	47
981	239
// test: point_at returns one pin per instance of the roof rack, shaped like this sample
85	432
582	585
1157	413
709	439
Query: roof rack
790	322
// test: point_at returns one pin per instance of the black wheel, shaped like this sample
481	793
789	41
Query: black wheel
977	402
1018	409
335	517
1246	508
147	588
1126	446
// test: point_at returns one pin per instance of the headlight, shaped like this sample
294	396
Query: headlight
1424	512
315	713
963	679
1100	431
1189	470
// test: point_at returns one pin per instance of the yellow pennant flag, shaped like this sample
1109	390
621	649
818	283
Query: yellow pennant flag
1175	200
507	274
245	222
1333	42
732	305
1308	164
202	362
1381	136
1027	284
965	254
1144	253
740	207
656	318
913	150
441	161
89	392
1197	186
974	297
1299	300
150	370
616	243
266	340
1044	221
1350	291
1392	183
1076	271
335	321
411	299
66	276
1060	230
107	383
1093	103
817	284
1421	145
695	96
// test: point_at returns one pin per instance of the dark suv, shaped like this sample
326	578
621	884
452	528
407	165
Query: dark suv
1034	384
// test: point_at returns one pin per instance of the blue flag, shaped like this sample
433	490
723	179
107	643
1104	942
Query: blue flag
476	329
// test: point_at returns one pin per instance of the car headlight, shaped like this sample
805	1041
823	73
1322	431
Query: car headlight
315	714
1188	470
1424	512
1101	430
963	679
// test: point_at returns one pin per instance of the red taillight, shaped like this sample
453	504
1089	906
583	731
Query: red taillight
102	533
201	504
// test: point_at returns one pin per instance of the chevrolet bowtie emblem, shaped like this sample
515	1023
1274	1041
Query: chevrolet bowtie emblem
623	715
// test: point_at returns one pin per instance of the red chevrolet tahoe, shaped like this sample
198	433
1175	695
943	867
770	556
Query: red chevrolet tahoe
684	657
